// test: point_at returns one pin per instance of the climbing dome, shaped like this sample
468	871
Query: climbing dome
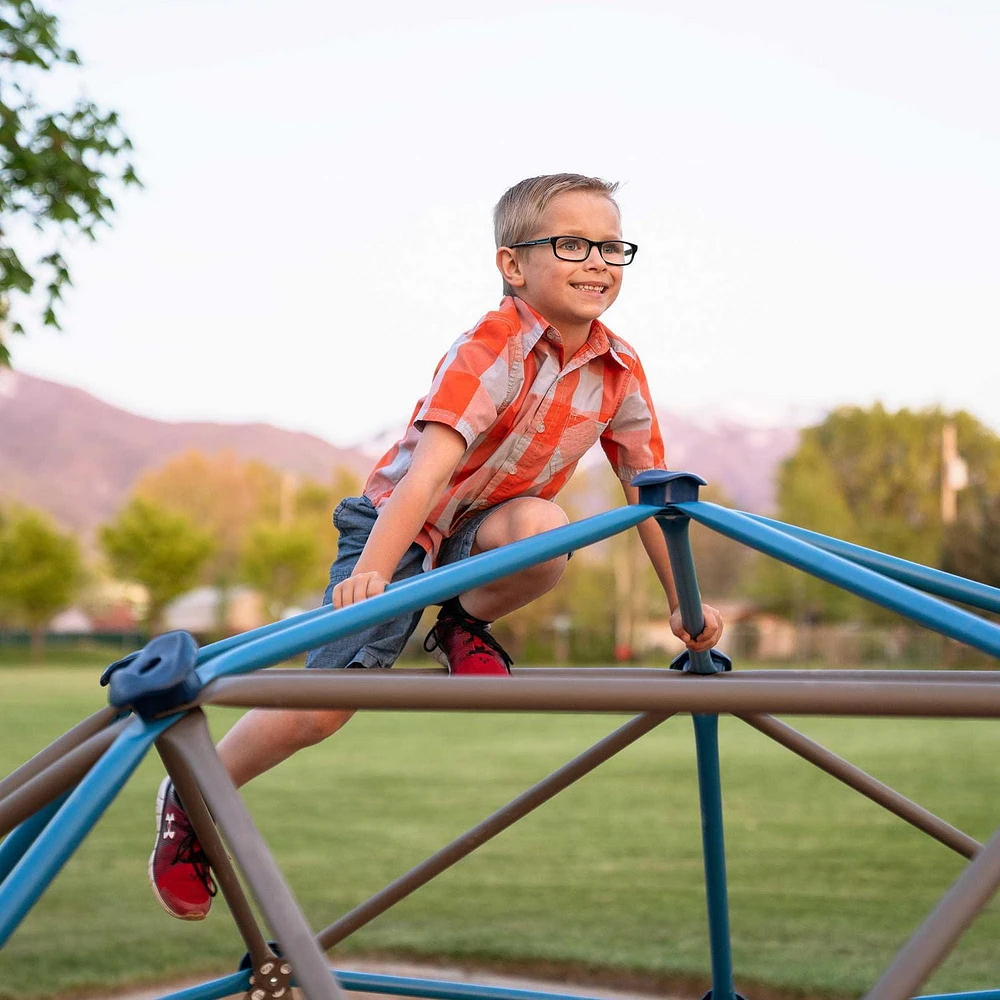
49	804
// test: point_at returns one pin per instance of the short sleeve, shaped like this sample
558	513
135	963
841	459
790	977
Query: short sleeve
472	383
632	440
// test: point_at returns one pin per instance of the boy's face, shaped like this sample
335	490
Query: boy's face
569	294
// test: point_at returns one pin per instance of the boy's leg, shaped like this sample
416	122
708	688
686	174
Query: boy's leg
462	634
514	520
265	737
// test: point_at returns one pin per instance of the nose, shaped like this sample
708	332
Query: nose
595	260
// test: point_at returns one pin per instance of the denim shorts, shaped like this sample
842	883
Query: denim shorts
380	645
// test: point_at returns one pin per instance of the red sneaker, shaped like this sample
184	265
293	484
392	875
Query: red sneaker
465	646
178	868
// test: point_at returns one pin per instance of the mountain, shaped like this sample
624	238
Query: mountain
740	460
76	457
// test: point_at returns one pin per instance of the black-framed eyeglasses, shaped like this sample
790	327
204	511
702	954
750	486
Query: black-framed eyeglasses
577	248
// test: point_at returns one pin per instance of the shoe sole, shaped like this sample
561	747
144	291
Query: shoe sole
161	798
437	653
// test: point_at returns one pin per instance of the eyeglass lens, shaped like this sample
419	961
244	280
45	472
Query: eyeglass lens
613	251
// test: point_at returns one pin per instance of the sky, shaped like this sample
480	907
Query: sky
814	188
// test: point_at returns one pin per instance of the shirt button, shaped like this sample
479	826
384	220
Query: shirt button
511	466
539	427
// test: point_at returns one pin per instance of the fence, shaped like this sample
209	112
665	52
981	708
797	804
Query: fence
50	803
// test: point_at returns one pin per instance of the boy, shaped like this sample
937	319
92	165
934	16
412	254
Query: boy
514	405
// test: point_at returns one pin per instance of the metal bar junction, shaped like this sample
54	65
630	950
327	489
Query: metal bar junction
49	804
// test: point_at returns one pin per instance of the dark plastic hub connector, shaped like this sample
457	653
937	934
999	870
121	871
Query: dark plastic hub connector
660	488
159	677
682	661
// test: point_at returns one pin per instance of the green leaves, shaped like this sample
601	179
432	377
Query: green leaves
163	551
40	568
58	168
284	563
874	478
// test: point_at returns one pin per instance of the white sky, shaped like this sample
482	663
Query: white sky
815	188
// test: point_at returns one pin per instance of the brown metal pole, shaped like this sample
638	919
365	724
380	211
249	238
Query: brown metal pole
710	695
69	740
208	836
930	676
275	899
932	943
504	817
647	673
60	775
864	783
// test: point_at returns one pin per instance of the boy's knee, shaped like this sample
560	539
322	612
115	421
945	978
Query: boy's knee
523	518
532	515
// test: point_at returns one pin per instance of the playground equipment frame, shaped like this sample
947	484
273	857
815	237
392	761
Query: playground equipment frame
49	804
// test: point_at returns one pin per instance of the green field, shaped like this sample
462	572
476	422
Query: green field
824	886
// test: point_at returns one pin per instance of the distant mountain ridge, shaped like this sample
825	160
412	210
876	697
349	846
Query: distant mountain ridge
70	454
742	461
76	457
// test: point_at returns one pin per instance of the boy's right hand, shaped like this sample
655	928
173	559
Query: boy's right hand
358	588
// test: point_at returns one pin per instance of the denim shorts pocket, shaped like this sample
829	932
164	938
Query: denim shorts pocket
336	513
354	512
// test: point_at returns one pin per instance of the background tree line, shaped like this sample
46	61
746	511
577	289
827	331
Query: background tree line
878	479
199	520
865	475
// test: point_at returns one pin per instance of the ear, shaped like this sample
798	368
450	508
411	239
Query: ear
510	267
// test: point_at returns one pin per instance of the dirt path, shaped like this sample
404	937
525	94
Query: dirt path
452	973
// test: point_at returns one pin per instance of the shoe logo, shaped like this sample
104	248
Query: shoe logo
170	832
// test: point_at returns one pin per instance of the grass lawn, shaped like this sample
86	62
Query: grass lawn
824	885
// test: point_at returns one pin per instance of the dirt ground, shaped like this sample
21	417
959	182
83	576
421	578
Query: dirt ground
453	973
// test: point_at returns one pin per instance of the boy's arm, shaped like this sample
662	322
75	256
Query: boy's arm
656	548
435	459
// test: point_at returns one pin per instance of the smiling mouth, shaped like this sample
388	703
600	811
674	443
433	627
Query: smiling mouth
592	288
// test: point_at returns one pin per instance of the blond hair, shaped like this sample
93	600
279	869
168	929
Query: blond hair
518	212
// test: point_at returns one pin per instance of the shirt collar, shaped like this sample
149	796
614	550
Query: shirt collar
534	326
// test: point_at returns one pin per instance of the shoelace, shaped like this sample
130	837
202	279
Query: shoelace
190	852
478	631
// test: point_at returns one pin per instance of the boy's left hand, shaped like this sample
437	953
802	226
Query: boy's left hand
710	635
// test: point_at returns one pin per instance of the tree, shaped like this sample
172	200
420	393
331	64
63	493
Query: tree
809	495
162	551
286	558
283	565
256	516
224	495
972	543
57	167
40	571
874	478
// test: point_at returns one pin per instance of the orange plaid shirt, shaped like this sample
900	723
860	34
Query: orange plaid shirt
527	415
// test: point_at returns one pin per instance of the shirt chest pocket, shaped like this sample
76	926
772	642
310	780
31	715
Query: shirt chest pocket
578	437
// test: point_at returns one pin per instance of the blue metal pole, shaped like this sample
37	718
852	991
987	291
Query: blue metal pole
22	837
438	989
913	604
64	833
931	581
676	488
215	989
430	587
706	734
265	647
972	995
